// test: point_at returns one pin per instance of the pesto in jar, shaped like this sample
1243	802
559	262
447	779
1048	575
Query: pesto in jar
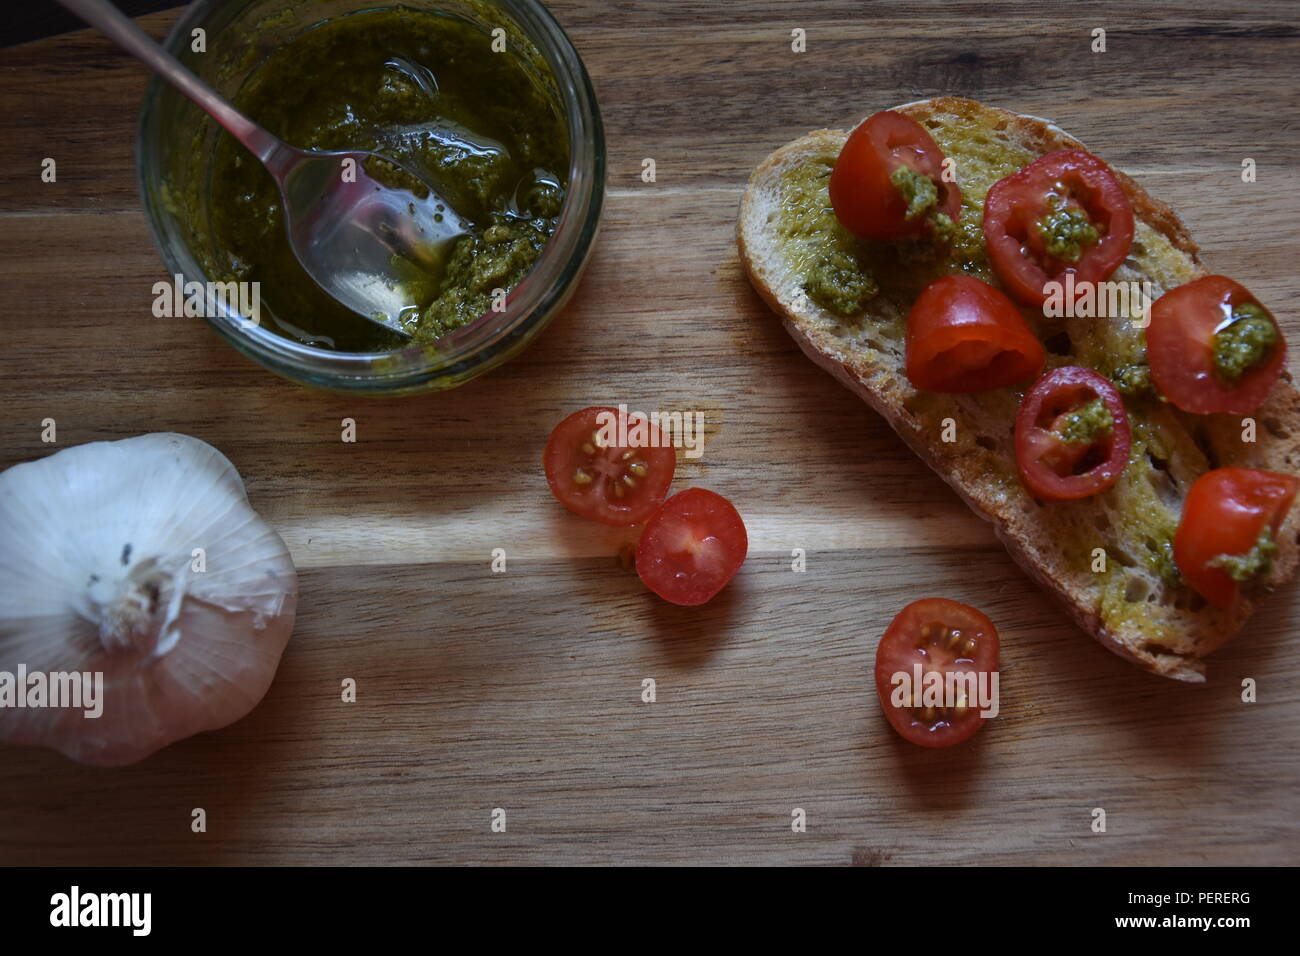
482	127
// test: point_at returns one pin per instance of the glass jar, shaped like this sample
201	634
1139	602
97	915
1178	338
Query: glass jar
238	36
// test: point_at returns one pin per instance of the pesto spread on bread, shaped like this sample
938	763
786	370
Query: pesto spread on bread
847	295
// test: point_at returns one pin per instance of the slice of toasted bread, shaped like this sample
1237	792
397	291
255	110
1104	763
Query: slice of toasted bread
1133	606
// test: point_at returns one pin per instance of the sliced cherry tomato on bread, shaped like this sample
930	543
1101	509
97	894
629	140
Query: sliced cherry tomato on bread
888	179
593	475
1225	539
963	335
1064	212
691	547
1072	435
942	637
1213	348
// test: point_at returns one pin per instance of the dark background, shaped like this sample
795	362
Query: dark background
47	18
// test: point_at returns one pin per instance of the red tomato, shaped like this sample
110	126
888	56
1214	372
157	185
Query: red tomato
593	475
1054	468
941	636
865	201
1224	513
1180	349
1077	180
963	335
691	547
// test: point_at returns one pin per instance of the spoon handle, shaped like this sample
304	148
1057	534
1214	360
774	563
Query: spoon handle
117	27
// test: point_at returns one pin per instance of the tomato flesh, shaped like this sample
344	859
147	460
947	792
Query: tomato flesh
1052	468
862	194
1076	181
1180	349
943	637
1224	513
593	475
691	547
963	335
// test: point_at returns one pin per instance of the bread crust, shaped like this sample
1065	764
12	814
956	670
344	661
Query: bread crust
885	391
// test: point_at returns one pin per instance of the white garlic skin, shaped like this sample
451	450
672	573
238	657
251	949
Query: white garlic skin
181	651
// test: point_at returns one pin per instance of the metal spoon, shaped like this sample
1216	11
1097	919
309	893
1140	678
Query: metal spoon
355	235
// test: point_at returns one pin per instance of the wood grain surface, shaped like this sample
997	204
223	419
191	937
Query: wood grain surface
523	690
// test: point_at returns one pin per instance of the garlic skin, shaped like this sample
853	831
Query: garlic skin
98	573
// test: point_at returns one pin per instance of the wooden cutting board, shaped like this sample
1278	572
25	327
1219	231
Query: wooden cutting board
523	690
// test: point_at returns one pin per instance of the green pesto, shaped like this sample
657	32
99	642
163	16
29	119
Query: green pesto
1147	518
496	258
961	243
1066	231
829	258
428	91
1258	560
1114	607
918	191
944	229
1133	381
1245	342
984	157
837	283
1162	562
1086	423
815	245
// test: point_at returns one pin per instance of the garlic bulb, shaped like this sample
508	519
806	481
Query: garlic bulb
139	560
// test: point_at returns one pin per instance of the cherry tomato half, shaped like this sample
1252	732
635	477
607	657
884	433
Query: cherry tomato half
1225	511
691	547
963	335
1180	348
1062	450
866	201
1073	192
593	475
943	637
